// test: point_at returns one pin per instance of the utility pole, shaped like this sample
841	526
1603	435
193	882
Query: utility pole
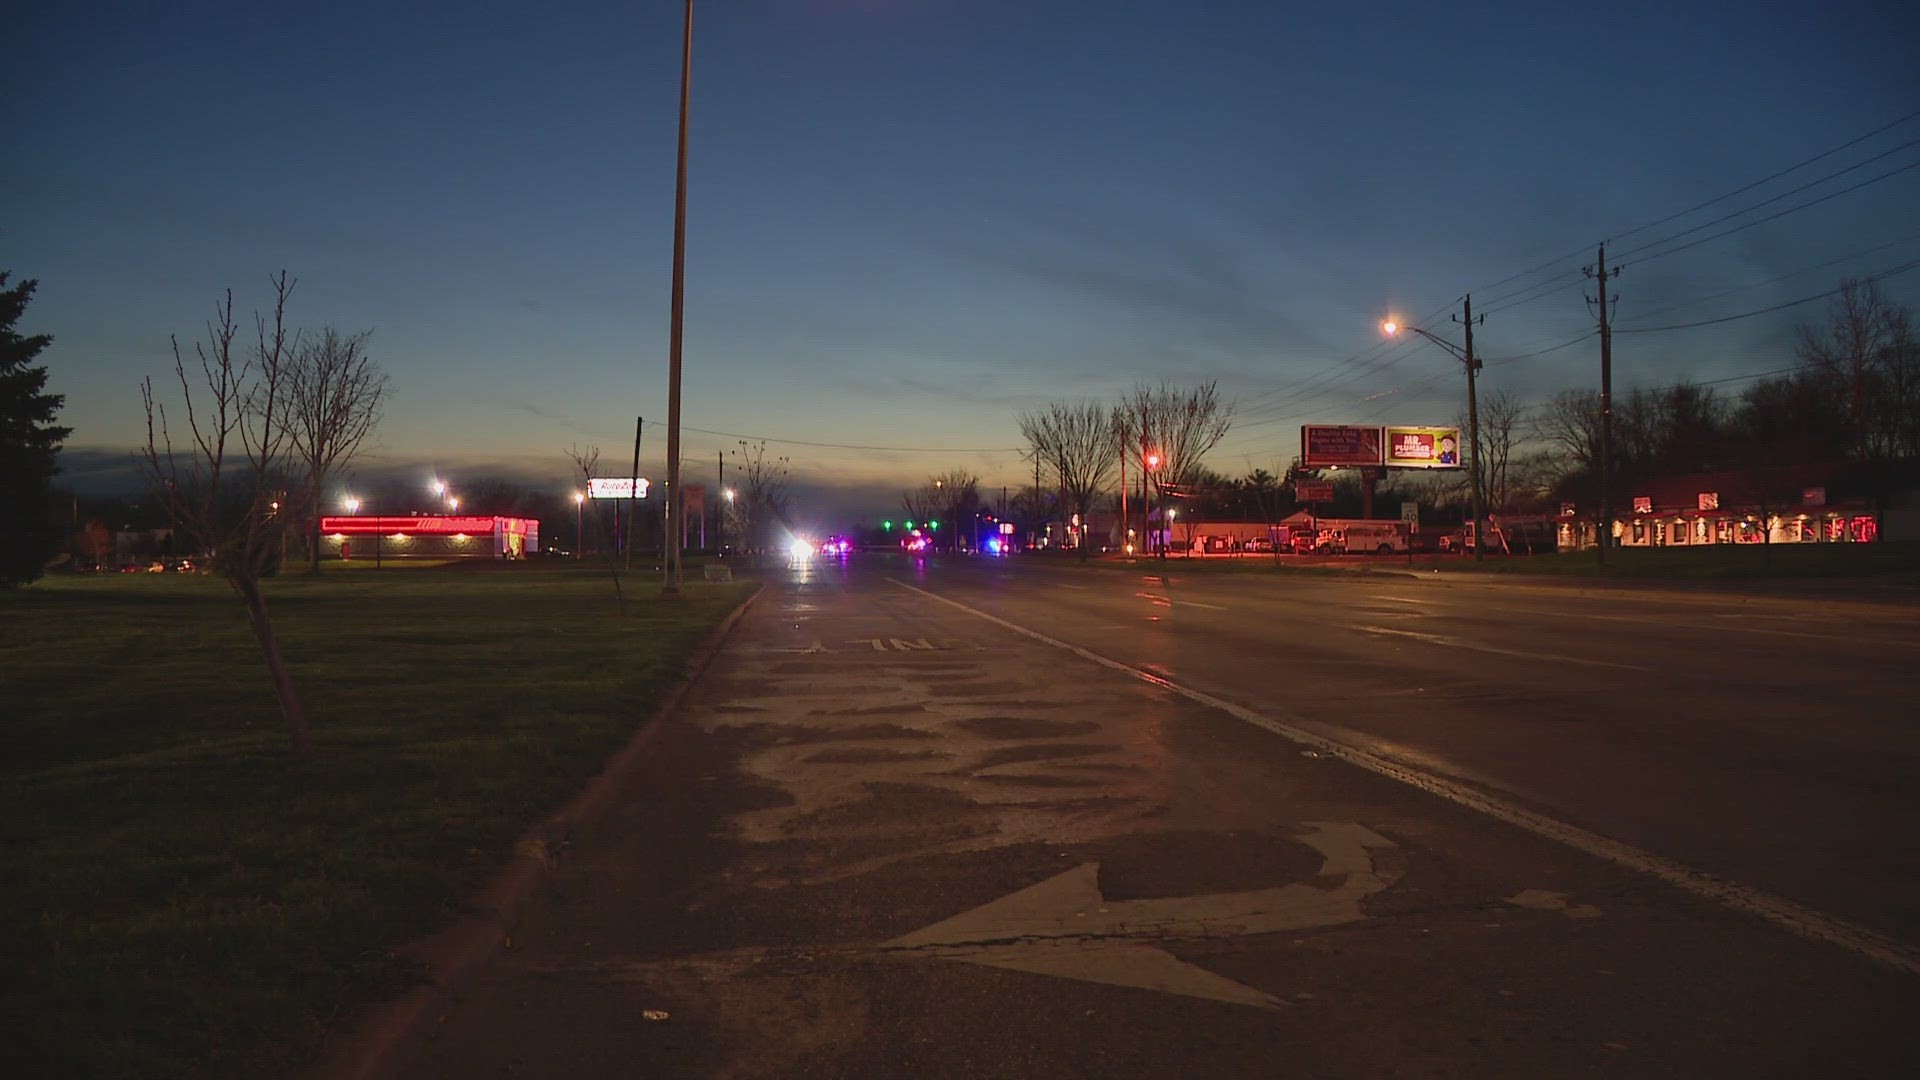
1603	534
1473	431
671	563
1126	523
1033	532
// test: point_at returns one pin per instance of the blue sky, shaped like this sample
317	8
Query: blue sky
909	220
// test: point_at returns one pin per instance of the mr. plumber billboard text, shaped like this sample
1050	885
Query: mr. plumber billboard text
1423	447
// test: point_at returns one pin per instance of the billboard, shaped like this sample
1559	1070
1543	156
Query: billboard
1322	445
1423	447
617	487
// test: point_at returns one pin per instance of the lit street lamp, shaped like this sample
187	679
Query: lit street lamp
579	523
353	507
1472	364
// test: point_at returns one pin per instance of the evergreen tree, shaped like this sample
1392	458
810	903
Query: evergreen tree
28	443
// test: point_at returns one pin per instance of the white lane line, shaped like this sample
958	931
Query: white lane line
1064	585
1775	909
1402	599
1456	643
1170	601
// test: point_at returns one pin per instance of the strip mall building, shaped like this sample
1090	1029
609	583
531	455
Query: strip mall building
434	536
1797	506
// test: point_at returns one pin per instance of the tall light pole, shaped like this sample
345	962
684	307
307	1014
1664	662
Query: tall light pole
1149	466
579	524
1466	357
671	563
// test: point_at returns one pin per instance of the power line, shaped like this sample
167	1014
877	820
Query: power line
1549	284
1770	217
1554	284
1895	272
1777	279
1771	177
854	446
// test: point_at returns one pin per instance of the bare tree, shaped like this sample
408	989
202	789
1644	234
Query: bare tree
1180	425
334	393
951	497
1501	431
224	487
1900	377
762	497
1862	349
1078	441
1570	425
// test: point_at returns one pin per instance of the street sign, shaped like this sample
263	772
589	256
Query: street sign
1312	491
1323	445
1410	513
617	487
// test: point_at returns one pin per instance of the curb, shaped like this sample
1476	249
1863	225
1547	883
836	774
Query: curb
452	955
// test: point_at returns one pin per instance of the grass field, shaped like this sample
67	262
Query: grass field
184	896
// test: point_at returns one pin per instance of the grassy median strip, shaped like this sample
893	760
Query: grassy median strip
185	897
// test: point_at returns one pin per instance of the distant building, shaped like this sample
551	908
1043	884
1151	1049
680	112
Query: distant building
429	536
1802	504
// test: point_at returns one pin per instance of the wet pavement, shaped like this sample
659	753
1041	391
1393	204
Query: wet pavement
888	836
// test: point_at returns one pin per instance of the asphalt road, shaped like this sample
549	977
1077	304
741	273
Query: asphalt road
959	818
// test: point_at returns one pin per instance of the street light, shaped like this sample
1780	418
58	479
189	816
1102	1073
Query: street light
579	523
1472	364
353	507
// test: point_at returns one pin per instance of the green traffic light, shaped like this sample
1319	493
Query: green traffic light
909	523
887	525
933	525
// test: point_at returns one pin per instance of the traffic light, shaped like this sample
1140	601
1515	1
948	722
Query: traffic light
887	525
909	523
934	525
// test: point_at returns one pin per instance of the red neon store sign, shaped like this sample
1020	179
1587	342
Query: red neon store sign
417	526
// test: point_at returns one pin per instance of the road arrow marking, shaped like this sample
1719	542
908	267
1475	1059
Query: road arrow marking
1065	928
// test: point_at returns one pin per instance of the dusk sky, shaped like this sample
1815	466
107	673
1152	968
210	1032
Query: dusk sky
912	219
